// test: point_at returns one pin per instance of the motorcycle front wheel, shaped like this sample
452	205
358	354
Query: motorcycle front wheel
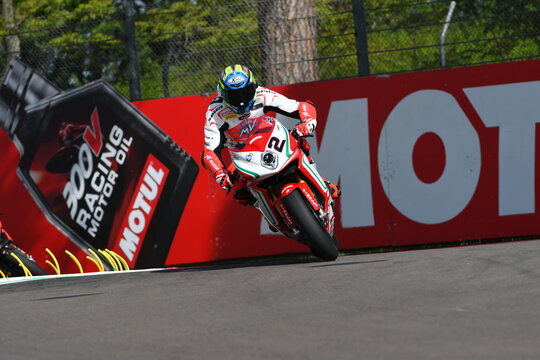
320	241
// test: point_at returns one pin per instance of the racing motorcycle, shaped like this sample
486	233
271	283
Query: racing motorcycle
287	187
11	265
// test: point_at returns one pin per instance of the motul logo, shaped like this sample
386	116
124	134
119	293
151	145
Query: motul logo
142	207
463	123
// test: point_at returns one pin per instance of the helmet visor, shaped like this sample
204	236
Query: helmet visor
239	98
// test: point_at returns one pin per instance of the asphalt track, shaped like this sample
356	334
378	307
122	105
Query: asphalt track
475	302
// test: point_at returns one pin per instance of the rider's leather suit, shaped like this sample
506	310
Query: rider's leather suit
225	128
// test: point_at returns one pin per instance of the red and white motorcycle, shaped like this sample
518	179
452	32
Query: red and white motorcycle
288	189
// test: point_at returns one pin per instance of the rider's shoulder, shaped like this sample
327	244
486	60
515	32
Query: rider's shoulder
214	110
263	90
216	105
217	100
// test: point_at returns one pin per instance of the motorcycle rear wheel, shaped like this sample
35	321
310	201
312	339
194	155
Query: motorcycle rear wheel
10	266
319	240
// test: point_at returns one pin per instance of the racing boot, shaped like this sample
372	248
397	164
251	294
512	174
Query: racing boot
272	227
244	197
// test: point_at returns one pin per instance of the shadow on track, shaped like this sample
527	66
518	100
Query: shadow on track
66	297
348	263
259	263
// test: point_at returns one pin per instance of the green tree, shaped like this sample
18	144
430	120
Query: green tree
13	43
68	40
167	36
513	25
182	45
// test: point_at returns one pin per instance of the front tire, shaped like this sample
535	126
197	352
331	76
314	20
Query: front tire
319	240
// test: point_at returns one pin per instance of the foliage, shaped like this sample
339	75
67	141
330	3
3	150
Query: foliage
67	39
182	45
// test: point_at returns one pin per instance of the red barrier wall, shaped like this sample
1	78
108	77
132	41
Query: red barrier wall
422	158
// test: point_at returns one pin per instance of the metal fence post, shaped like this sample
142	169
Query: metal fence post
131	47
444	30
360	30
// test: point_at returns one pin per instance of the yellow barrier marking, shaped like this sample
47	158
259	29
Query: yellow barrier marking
117	262
126	266
52	265
109	259
96	256
75	261
55	266
125	263
95	262
25	269
122	265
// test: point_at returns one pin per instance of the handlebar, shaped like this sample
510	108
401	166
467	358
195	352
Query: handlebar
295	134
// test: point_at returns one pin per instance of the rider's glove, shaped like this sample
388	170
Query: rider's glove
305	128
224	180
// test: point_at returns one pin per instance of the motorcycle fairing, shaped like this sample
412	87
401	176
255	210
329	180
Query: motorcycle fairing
265	152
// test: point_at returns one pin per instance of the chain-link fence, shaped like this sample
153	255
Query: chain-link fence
179	47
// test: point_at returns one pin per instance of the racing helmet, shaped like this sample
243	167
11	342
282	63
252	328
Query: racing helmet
237	86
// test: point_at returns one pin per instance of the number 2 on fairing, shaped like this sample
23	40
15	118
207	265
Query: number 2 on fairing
276	144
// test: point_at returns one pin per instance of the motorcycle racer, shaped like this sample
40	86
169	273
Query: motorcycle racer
228	123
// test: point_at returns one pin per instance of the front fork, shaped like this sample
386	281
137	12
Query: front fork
278	210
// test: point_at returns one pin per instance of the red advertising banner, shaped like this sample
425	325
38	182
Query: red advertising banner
82	154
142	207
428	157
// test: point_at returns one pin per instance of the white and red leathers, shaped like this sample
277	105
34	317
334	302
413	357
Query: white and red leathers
226	128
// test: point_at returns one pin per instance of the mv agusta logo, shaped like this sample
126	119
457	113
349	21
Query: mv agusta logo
247	127
93	177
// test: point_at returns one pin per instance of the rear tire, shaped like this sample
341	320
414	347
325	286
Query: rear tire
319	240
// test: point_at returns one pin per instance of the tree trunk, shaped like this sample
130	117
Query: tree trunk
288	32
13	43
